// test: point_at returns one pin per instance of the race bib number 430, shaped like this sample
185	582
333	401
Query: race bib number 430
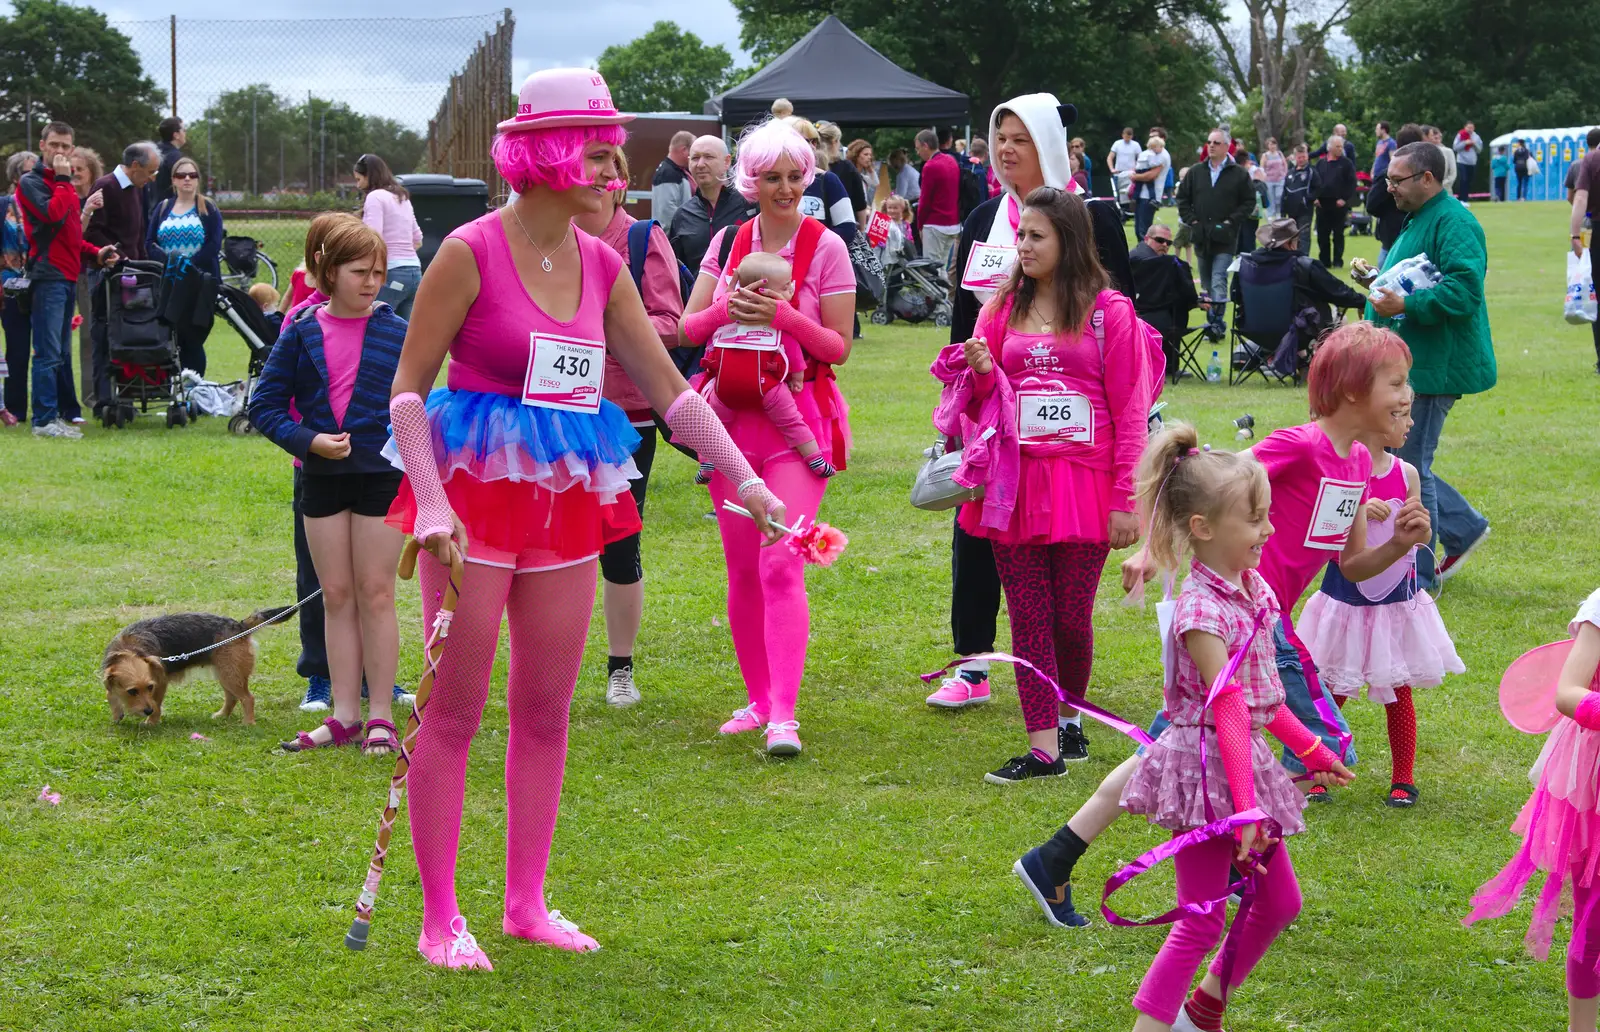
1338	502
564	373
1053	418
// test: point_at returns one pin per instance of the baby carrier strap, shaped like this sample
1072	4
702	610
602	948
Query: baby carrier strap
740	381
805	246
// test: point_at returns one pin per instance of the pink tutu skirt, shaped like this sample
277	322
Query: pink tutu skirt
1560	829
1166	784
1383	647
1057	500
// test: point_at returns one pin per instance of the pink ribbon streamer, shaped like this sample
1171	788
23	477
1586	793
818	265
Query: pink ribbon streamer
1076	701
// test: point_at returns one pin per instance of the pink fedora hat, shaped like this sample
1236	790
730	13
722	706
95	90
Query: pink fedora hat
564	96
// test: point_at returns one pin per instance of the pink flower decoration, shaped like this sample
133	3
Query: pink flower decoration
47	796
77	321
195	736
818	544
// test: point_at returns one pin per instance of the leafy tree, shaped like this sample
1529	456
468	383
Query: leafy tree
666	69
78	70
1273	58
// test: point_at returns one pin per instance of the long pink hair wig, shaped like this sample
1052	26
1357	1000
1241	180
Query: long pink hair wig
761	147
550	157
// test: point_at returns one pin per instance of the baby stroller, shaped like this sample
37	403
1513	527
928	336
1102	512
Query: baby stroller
258	334
914	289
144	356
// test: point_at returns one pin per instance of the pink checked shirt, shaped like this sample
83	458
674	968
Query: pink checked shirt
1210	604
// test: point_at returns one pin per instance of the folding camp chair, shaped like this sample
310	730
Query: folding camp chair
1263	311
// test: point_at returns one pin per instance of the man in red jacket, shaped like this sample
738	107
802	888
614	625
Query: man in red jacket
939	208
56	253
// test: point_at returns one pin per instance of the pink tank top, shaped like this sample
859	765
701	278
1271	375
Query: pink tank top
490	352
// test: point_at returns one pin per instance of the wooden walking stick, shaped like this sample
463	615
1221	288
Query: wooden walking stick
356	937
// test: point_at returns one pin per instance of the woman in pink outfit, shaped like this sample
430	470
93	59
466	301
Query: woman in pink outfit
767	609
521	465
386	207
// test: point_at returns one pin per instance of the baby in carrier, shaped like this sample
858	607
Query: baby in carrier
737	373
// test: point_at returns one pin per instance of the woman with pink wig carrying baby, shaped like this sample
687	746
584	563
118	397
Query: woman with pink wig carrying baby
810	303
521	465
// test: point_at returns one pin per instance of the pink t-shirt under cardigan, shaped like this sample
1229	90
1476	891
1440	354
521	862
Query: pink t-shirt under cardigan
341	356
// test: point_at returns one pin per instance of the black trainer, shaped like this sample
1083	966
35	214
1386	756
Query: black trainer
1021	768
1072	742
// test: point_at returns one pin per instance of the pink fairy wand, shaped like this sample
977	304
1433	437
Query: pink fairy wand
818	544
356	937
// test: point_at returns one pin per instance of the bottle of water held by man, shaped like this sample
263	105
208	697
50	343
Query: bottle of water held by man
1214	369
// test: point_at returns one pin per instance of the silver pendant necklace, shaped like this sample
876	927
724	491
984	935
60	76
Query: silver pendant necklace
544	259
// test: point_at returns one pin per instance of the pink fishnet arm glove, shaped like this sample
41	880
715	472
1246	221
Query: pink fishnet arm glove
819	342
1286	728
702	324
694	423
408	419
1587	715
1232	717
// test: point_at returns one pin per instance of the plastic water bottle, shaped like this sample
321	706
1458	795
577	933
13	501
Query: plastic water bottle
1214	369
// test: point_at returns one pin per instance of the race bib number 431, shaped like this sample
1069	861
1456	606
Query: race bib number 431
564	373
1338	502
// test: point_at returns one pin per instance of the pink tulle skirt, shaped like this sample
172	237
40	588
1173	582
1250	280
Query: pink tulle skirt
1560	829
1166	784
1057	500
1381	647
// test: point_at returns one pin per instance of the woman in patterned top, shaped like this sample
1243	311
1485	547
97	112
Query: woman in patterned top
187	225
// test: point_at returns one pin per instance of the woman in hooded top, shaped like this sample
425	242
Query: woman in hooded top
1028	149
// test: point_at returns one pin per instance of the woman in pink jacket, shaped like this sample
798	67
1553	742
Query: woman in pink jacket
1067	351
620	564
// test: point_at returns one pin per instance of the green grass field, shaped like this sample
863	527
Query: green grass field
187	884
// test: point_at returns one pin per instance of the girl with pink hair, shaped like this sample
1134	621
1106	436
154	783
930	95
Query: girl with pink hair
522	466
767	609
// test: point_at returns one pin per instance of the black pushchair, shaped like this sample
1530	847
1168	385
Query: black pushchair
143	353
258	334
914	289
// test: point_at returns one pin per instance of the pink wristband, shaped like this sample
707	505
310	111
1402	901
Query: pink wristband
413	437
699	326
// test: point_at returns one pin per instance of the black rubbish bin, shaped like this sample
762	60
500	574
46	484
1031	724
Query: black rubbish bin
443	203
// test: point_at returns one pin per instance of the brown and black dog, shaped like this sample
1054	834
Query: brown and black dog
136	679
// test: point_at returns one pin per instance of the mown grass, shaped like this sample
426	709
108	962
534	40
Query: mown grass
187	884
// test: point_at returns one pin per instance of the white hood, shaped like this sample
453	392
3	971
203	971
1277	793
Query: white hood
1041	113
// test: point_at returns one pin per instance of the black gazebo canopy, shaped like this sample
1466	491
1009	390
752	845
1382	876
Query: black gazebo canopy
831	73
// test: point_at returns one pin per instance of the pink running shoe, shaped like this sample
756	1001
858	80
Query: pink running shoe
957	692
782	739
459	950
557	931
746	719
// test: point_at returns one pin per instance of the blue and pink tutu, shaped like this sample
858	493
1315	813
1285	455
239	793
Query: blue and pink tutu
529	481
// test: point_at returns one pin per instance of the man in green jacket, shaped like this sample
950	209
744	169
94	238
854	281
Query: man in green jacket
1214	199
1447	329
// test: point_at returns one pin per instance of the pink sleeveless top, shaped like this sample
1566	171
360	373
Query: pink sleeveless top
490	351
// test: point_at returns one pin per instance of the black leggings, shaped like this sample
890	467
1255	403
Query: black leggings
621	563
974	593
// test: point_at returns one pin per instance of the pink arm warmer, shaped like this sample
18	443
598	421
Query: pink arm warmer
1286	728
1587	715
692	421
702	324
1232	718
820	342
414	438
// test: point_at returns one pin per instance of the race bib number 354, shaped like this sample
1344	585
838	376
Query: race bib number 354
988	266
1338	502
564	373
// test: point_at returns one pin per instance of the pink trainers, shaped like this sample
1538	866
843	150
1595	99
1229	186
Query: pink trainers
782	739
458	950
557	931
957	692
746	719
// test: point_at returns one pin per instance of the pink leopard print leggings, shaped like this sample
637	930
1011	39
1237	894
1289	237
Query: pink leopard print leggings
1050	597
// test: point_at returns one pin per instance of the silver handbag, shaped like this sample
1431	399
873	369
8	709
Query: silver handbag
934	489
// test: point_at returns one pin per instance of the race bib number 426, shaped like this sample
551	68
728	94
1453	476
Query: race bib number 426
1052	418
564	373
1338	502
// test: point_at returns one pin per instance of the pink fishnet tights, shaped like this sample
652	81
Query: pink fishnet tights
549	617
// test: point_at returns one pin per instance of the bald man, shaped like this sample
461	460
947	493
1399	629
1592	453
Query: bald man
670	186
713	205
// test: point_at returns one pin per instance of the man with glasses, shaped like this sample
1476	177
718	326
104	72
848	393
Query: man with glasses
1163	292
1447	329
1214	199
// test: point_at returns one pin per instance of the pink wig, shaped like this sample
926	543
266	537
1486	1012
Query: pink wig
761	147
550	157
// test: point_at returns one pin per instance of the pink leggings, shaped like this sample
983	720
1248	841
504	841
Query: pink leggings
1050	598
1203	873
1582	981
549	616
767	608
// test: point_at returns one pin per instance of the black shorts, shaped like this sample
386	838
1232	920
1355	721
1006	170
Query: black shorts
365	494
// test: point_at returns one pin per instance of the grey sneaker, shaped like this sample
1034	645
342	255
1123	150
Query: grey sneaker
58	429
621	692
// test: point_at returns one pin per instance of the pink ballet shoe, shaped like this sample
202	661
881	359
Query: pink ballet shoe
783	739
746	719
557	931
457	950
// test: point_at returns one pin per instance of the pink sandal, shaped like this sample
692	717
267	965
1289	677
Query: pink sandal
385	746
342	734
